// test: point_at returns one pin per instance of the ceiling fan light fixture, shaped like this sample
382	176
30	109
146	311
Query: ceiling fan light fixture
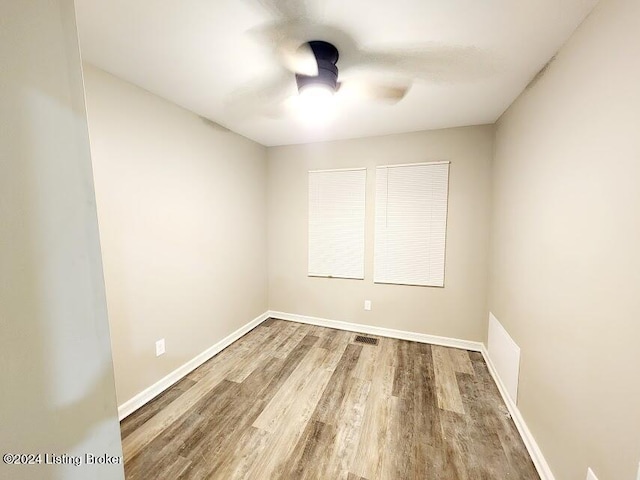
316	90
326	57
315	104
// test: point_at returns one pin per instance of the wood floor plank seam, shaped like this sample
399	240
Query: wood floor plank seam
296	401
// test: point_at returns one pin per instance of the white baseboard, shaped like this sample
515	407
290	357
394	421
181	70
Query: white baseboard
532	447
131	405
527	437
380	331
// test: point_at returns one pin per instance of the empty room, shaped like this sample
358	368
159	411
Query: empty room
276	239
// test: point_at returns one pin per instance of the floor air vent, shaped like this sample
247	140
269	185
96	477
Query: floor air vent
366	340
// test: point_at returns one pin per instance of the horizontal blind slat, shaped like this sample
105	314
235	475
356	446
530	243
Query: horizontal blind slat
410	229
336	223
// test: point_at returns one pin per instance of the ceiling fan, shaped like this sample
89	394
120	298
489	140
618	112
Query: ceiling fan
320	60
315	66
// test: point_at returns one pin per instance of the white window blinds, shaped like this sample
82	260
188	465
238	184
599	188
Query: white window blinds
411	223
336	223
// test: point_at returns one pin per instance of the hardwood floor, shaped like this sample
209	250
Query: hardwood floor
294	401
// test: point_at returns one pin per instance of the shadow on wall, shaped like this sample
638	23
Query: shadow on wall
56	374
35	417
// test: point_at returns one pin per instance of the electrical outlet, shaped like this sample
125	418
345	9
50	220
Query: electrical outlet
160	347
591	475
367	304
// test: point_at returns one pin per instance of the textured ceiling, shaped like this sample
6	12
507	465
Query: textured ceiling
207	57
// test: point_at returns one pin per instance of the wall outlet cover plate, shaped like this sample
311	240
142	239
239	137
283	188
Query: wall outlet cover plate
160	347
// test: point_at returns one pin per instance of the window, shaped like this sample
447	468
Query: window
411	223
336	223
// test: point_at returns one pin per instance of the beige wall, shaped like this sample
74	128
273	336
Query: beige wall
182	210
459	309
56	375
566	247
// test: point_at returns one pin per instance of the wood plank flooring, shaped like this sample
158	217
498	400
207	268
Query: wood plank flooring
294	401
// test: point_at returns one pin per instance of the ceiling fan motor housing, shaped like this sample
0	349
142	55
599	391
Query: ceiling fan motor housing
326	57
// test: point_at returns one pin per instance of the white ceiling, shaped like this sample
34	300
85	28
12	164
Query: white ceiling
199	54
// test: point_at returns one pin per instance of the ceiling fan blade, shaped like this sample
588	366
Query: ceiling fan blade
391	92
286	41
261	98
433	62
298	58
287	9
